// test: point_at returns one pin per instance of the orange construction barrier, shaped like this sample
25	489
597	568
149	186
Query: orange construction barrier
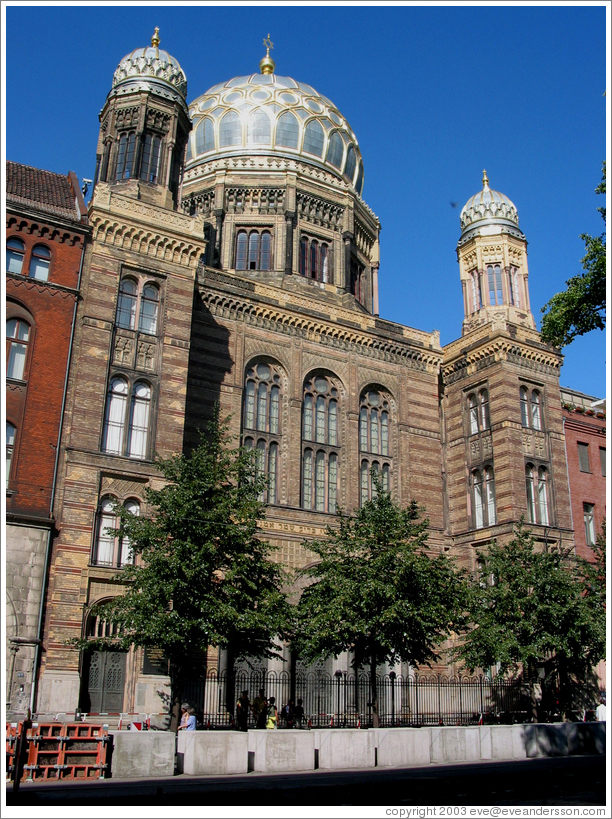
63	751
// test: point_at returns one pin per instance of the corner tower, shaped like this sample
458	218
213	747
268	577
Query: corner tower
144	127
492	255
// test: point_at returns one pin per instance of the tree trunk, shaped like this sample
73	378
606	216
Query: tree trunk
175	697
375	719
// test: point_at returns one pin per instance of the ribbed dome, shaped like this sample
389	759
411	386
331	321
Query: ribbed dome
150	66
272	115
488	208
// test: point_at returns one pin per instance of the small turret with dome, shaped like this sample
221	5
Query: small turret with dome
492	254
144	126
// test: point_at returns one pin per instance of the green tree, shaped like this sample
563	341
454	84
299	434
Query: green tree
582	306
377	592
534	609
203	577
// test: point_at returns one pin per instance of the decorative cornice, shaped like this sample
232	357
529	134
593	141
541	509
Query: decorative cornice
277	319
501	349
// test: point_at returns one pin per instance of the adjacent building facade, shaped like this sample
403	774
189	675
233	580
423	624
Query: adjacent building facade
234	259
46	223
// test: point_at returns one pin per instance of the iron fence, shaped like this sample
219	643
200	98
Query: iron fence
345	699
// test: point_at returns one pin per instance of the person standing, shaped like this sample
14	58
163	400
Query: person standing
188	720
600	713
259	709
272	714
243	707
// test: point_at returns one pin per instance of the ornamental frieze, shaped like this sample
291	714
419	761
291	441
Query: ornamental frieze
254	200
319	212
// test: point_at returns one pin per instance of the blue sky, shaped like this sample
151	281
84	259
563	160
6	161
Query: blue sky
434	94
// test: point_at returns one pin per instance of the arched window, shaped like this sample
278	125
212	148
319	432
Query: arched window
531	408
513	287
139	420
359	183
543	496
10	444
110	549
320	444
230	130
17	337
532	516
495	284
335	150
147	321
114	424
151	152
313	138
125	155
204	137
126	304
315	260
476	291
483	488
254	250
39	263
15	251
478	412
262	413
287	131
258	129
375	439
131	295
351	162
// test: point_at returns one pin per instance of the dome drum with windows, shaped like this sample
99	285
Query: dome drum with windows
266	114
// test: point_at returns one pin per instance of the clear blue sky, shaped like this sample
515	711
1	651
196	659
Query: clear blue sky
434	95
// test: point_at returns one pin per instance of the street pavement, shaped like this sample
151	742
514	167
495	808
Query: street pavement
574	781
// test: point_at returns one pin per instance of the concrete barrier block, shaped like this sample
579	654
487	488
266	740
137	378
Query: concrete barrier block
278	751
543	740
341	748
472	744
450	744
586	738
212	753
508	742
142	753
486	751
399	747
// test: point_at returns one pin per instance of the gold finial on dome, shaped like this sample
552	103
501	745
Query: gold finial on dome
485	181
267	65
155	38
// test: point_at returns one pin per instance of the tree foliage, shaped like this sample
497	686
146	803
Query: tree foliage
376	591
534	609
202	576
582	306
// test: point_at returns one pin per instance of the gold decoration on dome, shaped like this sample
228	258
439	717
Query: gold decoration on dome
485	181
267	64
155	38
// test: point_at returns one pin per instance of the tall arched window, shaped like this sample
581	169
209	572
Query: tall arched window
17	338
125	155
543	496
126	304
15	251
351	162
483	497
315	260
531	408
478	412
10	444
204	137
335	150
114	424
495	284
261	422
513	287
374	441
110	549
139	420
476	290
149	302
151	153
320	444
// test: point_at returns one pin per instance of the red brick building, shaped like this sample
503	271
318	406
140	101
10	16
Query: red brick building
46	235
584	420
